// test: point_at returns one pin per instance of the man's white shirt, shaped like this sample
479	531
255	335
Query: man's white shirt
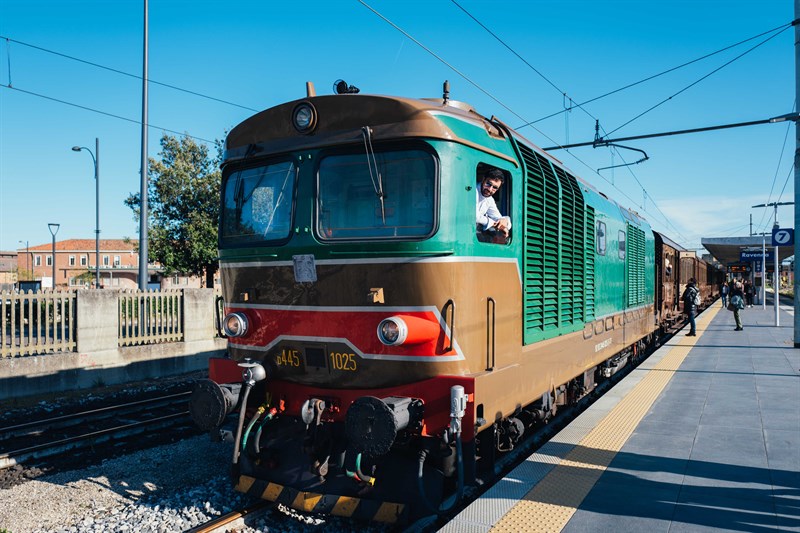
487	213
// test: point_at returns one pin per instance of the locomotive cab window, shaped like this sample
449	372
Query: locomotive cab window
601	237
257	204
493	216
621	244
380	195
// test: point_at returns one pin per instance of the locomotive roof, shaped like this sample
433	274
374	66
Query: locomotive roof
341	117
669	242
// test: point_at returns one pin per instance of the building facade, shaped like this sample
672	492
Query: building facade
75	263
75	266
8	270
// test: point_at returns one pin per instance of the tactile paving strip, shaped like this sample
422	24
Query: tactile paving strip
552	502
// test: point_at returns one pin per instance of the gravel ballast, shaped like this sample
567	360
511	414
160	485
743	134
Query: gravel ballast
167	489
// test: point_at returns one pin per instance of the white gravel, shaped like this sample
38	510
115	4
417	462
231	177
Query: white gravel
167	489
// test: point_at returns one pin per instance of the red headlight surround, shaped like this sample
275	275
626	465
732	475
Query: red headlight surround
406	329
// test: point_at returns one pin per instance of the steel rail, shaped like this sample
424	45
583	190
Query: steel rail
216	525
73	416
89	438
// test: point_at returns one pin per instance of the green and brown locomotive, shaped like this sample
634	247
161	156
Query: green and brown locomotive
378	338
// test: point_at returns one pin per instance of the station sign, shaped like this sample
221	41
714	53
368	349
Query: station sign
756	256
783	237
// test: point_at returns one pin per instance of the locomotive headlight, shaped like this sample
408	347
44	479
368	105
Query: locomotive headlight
235	325
392	331
304	117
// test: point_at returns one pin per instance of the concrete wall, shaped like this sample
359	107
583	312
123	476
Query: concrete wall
99	360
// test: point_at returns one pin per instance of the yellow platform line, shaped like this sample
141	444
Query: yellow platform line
552	502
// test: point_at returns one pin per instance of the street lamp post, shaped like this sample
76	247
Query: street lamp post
27	259
96	161
53	227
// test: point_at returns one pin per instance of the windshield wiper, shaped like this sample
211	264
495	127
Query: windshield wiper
377	182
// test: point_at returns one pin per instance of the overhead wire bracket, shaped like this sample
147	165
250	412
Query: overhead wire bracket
598	142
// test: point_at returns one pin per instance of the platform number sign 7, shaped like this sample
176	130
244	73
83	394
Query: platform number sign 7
783	237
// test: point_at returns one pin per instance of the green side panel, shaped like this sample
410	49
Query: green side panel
635	288
554	256
589	264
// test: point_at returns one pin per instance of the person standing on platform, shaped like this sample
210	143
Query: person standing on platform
749	291
724	291
691	301
737	303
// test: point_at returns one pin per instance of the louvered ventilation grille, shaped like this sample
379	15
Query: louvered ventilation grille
555	258
634	265
590	251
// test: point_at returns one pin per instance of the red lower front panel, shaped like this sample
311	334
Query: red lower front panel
290	397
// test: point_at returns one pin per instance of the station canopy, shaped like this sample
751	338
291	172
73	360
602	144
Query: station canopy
728	250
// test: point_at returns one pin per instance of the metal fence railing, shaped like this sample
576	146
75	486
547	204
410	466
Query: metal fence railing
37	323
150	317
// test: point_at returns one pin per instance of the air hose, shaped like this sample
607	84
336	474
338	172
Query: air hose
252	373
362	475
247	387
267	418
358	475
259	412
423	453
458	404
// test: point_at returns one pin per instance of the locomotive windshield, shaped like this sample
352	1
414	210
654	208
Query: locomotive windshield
257	204
378	195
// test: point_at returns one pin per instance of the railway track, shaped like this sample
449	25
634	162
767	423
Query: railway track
232	520
51	438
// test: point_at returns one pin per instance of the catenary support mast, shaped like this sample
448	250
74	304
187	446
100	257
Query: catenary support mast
796	173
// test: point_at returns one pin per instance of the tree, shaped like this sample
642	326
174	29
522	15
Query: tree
183	207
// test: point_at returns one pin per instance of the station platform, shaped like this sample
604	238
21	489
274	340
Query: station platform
703	436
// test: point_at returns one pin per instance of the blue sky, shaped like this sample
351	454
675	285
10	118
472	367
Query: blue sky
258	54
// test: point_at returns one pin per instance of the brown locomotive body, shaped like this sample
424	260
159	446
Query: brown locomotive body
375	337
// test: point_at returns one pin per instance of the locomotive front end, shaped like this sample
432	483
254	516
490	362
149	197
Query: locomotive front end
343	366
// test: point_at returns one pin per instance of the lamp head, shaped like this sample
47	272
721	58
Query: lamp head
53	227
76	148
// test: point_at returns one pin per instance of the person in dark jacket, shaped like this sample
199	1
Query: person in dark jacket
725	291
749	292
737	290
690	304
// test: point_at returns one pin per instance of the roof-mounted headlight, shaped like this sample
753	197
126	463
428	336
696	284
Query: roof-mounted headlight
304	117
235	325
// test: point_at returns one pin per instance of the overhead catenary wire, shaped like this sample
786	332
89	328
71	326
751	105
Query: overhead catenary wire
640	115
105	113
8	60
116	71
778	29
445	62
615	149
777	170
785	183
501	41
565	98
662	73
494	98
